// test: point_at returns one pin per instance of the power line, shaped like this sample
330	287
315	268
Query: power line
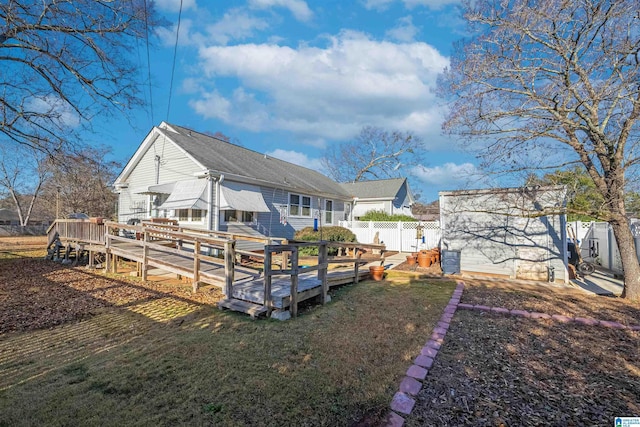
146	33
175	54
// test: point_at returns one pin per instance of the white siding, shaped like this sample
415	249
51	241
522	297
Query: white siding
501	233
174	166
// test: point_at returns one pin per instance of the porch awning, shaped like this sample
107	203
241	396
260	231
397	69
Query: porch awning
242	197
187	195
165	188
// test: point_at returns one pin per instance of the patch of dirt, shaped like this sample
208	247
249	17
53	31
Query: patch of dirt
495	370
507	371
36	294
433	270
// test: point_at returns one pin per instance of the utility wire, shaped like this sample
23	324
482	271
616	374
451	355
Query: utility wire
146	33
175	54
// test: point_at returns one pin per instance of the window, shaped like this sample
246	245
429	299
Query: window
299	205
182	214
238	216
328	211
196	214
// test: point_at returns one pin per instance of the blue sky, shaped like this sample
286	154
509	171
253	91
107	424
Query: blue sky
291	77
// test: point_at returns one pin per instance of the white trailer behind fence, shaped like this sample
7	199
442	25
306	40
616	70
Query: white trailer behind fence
397	236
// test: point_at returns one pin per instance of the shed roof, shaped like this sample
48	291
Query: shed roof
378	189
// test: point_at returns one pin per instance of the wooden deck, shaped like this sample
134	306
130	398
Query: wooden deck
212	258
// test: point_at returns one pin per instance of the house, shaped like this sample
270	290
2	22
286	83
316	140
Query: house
206	182
392	196
510	232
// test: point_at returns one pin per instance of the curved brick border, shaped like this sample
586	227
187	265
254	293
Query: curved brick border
403	401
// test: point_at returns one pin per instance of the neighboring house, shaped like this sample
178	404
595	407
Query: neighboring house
9	217
428	212
512	232
392	196
208	183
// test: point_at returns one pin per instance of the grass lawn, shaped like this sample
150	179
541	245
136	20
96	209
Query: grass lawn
137	354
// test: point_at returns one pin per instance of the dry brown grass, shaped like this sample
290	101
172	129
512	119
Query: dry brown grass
122	352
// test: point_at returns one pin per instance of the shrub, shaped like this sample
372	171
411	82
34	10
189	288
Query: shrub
379	215
331	234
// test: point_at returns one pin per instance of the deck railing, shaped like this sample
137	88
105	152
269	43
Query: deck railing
291	252
78	230
167	241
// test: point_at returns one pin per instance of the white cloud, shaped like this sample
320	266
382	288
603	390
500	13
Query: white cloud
298	8
297	158
377	4
174	5
55	109
326	92
404	31
236	24
409	4
448	176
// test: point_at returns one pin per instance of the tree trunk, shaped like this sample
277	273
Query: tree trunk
630	265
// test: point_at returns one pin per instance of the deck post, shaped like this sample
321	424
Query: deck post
229	268
107	253
285	257
356	265
293	300
267	301
196	266
145	255
322	271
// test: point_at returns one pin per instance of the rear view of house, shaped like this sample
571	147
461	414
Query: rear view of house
205	182
510	232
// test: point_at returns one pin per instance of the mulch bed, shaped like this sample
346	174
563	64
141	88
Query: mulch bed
36	294
496	370
545	298
508	371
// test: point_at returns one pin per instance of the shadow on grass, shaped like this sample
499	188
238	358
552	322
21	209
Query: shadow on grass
338	364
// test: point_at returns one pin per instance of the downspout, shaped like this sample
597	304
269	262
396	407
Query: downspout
216	219
210	202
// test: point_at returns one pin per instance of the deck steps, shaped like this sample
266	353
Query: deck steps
252	309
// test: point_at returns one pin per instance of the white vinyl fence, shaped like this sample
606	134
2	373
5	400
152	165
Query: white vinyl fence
598	244
397	236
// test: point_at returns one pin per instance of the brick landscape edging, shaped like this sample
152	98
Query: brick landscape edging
403	401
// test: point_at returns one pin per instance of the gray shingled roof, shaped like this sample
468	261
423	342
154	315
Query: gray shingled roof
379	189
221	156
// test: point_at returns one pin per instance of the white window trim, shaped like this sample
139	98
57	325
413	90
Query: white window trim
300	205
325	210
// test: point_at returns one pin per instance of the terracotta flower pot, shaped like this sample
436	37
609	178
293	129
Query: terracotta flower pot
376	272
411	260
424	259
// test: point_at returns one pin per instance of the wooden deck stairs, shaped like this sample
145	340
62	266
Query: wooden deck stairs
251	308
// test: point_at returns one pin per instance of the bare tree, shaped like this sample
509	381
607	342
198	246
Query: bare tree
63	62
374	154
550	84
23	173
82	183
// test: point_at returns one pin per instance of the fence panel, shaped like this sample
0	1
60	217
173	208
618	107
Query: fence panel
396	236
